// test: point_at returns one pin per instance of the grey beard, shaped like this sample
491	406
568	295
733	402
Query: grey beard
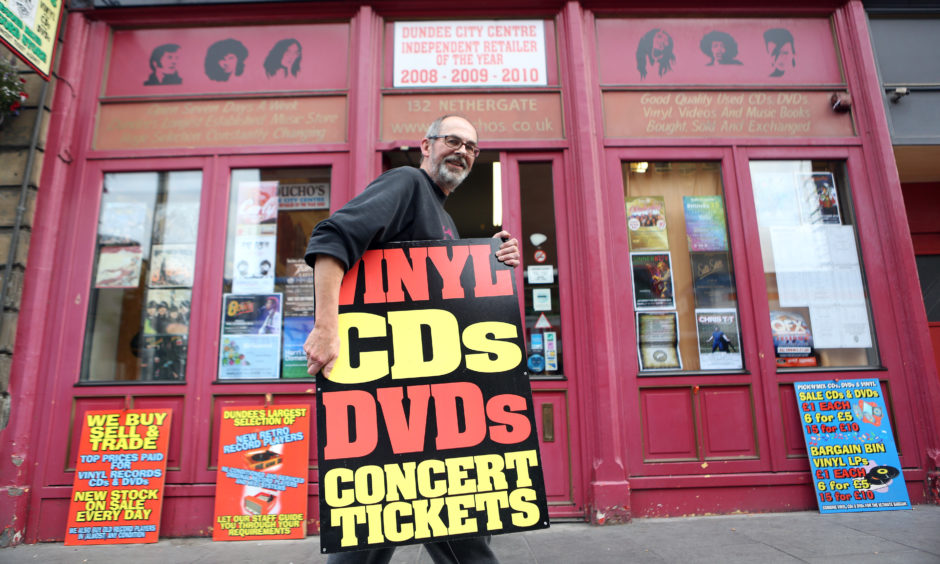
448	179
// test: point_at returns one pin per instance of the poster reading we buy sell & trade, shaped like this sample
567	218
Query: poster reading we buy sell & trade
117	494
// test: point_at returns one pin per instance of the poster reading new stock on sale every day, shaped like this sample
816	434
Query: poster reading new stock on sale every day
261	484
852	454
117	495
425	427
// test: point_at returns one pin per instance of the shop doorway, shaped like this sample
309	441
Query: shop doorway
521	192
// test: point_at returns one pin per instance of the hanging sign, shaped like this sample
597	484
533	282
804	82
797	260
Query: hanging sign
117	495
459	457
470	53
852	454
261	484
29	29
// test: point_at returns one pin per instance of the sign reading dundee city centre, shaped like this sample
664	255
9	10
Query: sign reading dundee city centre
425	426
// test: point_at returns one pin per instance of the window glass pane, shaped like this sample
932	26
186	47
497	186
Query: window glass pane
819	312
143	277
684	294
928	268
267	308
540	261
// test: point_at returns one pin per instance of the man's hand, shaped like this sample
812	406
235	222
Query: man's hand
508	252
322	348
322	344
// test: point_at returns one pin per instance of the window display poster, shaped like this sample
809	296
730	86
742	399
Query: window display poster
167	311
852	454
298	289
118	267
304	196
163	357
294	364
719	339
123	223
416	415
652	281
261	483
792	337
705	223
658	340
775	198
551	351
818	198
257	202
646	223
250	345
541	299
117	494
711	280
172	266
177	222
254	264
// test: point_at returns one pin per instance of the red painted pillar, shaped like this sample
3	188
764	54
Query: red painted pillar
600	386
18	449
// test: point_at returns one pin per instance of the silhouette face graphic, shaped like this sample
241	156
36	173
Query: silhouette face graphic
290	56
229	63
168	62
718	50
784	59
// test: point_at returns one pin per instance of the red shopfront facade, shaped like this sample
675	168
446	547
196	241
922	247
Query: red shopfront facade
156	138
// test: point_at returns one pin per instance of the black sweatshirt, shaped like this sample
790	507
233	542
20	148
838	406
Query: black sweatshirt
403	204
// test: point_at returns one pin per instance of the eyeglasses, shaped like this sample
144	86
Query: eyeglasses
454	142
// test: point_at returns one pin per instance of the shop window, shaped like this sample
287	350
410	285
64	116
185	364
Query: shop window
267	308
684	296
539	242
819	308
140	300
928	268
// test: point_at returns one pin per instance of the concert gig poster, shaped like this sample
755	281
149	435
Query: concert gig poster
117	495
425	426
261	484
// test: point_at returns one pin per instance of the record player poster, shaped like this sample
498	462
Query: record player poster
261	483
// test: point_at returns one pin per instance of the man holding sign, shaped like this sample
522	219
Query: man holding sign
403	204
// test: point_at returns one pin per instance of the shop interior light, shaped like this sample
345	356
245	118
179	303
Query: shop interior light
640	167
497	193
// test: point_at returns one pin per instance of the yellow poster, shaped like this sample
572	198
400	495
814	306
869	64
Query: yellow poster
29	28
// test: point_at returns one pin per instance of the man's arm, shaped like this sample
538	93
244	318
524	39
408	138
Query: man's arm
322	344
508	252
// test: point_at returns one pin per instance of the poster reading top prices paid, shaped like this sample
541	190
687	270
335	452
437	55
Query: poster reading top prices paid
119	475
470	53
261	485
851	448
29	28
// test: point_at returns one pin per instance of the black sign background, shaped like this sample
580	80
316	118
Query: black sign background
448	481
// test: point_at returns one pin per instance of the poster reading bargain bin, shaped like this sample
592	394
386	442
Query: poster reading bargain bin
261	485
425	426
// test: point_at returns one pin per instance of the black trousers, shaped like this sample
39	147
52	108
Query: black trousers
474	550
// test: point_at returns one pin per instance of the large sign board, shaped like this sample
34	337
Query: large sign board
851	448
29	28
706	114
261	484
228	60
425	426
470	53
117	495
717	51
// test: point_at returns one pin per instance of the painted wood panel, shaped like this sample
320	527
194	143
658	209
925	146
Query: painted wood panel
669	432
728	423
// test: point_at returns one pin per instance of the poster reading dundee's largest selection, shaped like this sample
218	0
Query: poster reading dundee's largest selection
261	485
851	448
425	427
119	475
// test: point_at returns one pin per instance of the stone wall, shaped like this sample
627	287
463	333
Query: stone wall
15	225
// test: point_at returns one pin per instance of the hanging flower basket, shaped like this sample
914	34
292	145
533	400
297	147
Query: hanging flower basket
12	96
